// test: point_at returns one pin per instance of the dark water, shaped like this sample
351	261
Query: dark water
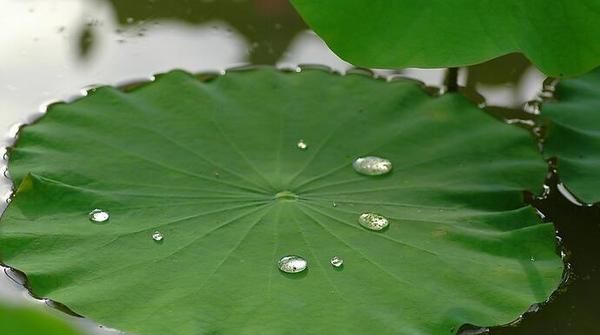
574	308
51	49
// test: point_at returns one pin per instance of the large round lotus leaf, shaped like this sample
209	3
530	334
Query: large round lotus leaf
214	167
27	321
574	134
560	37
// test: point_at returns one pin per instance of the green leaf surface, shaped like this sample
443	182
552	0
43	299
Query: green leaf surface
574	134
558	36
28	321
214	166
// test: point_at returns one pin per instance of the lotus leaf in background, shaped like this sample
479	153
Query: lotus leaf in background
559	37
28	321
574	134
216	166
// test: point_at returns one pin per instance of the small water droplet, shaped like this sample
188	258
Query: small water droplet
336	261
334	204
532	107
372	165
99	216
130	20
292	264
157	236
532	259
8	197
534	308
373	221
302	145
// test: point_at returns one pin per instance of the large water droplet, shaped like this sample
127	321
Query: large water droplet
336	261
292	264
373	221
302	145
157	236
372	165
98	215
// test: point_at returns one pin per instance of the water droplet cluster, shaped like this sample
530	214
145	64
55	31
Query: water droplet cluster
369	165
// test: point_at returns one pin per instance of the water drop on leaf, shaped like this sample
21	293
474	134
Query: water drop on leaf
372	166
98	215
292	264
373	221
302	145
157	236
336	261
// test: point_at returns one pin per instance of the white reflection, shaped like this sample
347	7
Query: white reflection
40	57
308	48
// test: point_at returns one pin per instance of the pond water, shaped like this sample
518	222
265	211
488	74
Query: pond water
53	49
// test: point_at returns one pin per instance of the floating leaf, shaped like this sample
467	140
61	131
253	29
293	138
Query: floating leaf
558	36
28	321
574	134
214	166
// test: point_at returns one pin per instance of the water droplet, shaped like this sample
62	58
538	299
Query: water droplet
8	197
157	236
532	259
372	165
373	221
534	308
98	215
302	145
532	107
334	204
336	261
292	264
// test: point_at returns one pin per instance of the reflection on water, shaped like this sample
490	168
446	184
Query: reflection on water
51	49
270	25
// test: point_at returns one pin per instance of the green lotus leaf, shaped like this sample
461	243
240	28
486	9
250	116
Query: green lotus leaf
560	37
216	168
28	321
574	134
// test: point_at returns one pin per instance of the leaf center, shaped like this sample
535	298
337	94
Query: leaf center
286	195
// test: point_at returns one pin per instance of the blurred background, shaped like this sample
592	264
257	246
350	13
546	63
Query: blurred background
51	50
